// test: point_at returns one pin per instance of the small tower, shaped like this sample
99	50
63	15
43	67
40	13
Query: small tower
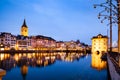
24	29
99	43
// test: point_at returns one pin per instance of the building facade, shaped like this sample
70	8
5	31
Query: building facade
8	40
99	43
42	42
23	43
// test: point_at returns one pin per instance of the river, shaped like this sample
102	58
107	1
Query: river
53	66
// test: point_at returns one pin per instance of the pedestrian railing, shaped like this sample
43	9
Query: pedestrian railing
115	59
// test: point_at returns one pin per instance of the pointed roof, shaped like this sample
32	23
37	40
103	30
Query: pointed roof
24	24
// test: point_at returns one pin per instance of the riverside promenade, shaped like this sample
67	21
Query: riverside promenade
114	65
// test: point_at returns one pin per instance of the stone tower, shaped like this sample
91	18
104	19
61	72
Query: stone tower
24	29
99	43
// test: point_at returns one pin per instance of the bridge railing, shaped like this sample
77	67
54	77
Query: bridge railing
115	58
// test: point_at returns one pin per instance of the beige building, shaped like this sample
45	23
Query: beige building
99	43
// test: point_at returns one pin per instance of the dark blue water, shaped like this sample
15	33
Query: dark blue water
75	69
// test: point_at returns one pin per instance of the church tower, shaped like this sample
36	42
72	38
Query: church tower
24	29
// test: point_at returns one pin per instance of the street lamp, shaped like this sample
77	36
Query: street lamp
111	7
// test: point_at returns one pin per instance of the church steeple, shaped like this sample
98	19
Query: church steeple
24	24
24	29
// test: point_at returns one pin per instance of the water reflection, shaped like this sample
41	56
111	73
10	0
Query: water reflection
24	71
37	65
8	61
97	62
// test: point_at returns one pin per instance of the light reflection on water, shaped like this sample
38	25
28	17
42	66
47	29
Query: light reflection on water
53	66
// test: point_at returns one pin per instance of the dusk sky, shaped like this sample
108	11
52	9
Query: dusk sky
60	19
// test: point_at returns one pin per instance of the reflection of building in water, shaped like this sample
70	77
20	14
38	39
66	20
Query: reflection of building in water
8	61
24	71
2	73
99	43
4	56
69	57
45	62
96	62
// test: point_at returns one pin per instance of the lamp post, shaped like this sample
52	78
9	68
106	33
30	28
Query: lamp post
111	7
118	4
110	26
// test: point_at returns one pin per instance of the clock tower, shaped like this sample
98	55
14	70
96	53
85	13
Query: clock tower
24	29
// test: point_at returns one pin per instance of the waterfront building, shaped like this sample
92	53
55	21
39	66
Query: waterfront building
73	45
23	43
60	45
24	29
42	42
13	41
8	40
99	43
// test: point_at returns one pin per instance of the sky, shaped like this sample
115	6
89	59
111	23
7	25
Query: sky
63	20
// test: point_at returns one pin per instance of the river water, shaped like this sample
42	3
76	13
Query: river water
53	66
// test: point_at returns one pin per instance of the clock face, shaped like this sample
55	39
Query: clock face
24	29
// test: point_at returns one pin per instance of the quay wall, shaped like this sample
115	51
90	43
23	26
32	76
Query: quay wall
112	70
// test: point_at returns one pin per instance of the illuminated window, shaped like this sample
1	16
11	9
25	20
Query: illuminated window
104	43
99	47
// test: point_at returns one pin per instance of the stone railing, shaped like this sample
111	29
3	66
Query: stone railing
115	58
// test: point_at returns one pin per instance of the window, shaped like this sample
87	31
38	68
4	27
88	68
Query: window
104	43
99	47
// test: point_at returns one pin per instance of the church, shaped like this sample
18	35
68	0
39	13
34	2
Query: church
23	40
24	29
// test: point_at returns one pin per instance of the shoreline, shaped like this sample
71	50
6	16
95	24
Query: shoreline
42	51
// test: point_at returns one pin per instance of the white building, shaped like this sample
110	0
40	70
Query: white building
8	40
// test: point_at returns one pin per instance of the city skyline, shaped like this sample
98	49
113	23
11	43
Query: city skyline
60	19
